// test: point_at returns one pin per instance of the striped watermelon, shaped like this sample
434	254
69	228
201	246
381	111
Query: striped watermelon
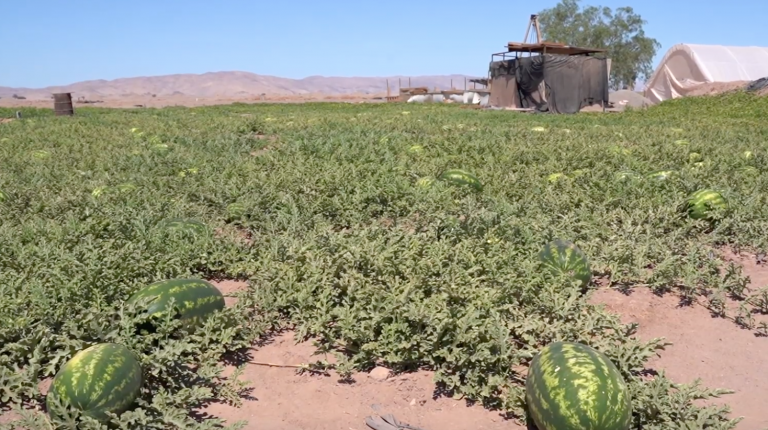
195	300
563	257
571	386
416	149
236	210
556	177
661	175
626	175
751	170
160	148
103	378
41	154
702	202
126	187
187	225
425	182
461	177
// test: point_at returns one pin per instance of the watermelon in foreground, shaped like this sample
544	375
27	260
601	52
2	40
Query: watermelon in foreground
703	202
571	386
563	257
194	300
461	177
106	377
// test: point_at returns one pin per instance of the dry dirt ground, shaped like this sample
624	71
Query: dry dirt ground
713	349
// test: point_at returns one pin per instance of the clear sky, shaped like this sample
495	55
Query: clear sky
55	42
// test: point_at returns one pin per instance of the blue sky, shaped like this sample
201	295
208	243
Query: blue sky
54	42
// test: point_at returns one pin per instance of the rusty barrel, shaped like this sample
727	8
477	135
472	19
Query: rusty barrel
62	104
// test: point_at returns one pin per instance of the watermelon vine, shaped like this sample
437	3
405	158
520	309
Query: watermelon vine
353	238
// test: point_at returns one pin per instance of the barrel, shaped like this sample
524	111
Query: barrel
62	104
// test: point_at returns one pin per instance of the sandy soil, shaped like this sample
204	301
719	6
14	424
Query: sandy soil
713	349
284	400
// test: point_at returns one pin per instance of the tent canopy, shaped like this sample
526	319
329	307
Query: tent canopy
685	66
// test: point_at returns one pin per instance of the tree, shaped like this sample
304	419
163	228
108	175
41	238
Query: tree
621	32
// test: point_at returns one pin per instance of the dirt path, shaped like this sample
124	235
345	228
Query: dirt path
287	401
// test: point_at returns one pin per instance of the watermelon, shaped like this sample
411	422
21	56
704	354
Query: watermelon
41	154
425	182
461	177
416	149
556	177
750	170
616	149
571	386
2	196
661	175
702	202
562	257
126	187
99	191
103	378
160	148
236	210
195	300
188	225
626	175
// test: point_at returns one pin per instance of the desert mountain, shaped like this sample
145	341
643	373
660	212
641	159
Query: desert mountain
233	84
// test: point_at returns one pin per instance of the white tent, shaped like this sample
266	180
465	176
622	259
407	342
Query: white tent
685	66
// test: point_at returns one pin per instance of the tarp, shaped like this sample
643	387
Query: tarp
570	82
685	66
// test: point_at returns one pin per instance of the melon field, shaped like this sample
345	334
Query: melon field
340	219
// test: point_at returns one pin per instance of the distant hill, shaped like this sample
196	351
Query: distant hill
233	84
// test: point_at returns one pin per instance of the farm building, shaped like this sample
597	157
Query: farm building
686	66
558	78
